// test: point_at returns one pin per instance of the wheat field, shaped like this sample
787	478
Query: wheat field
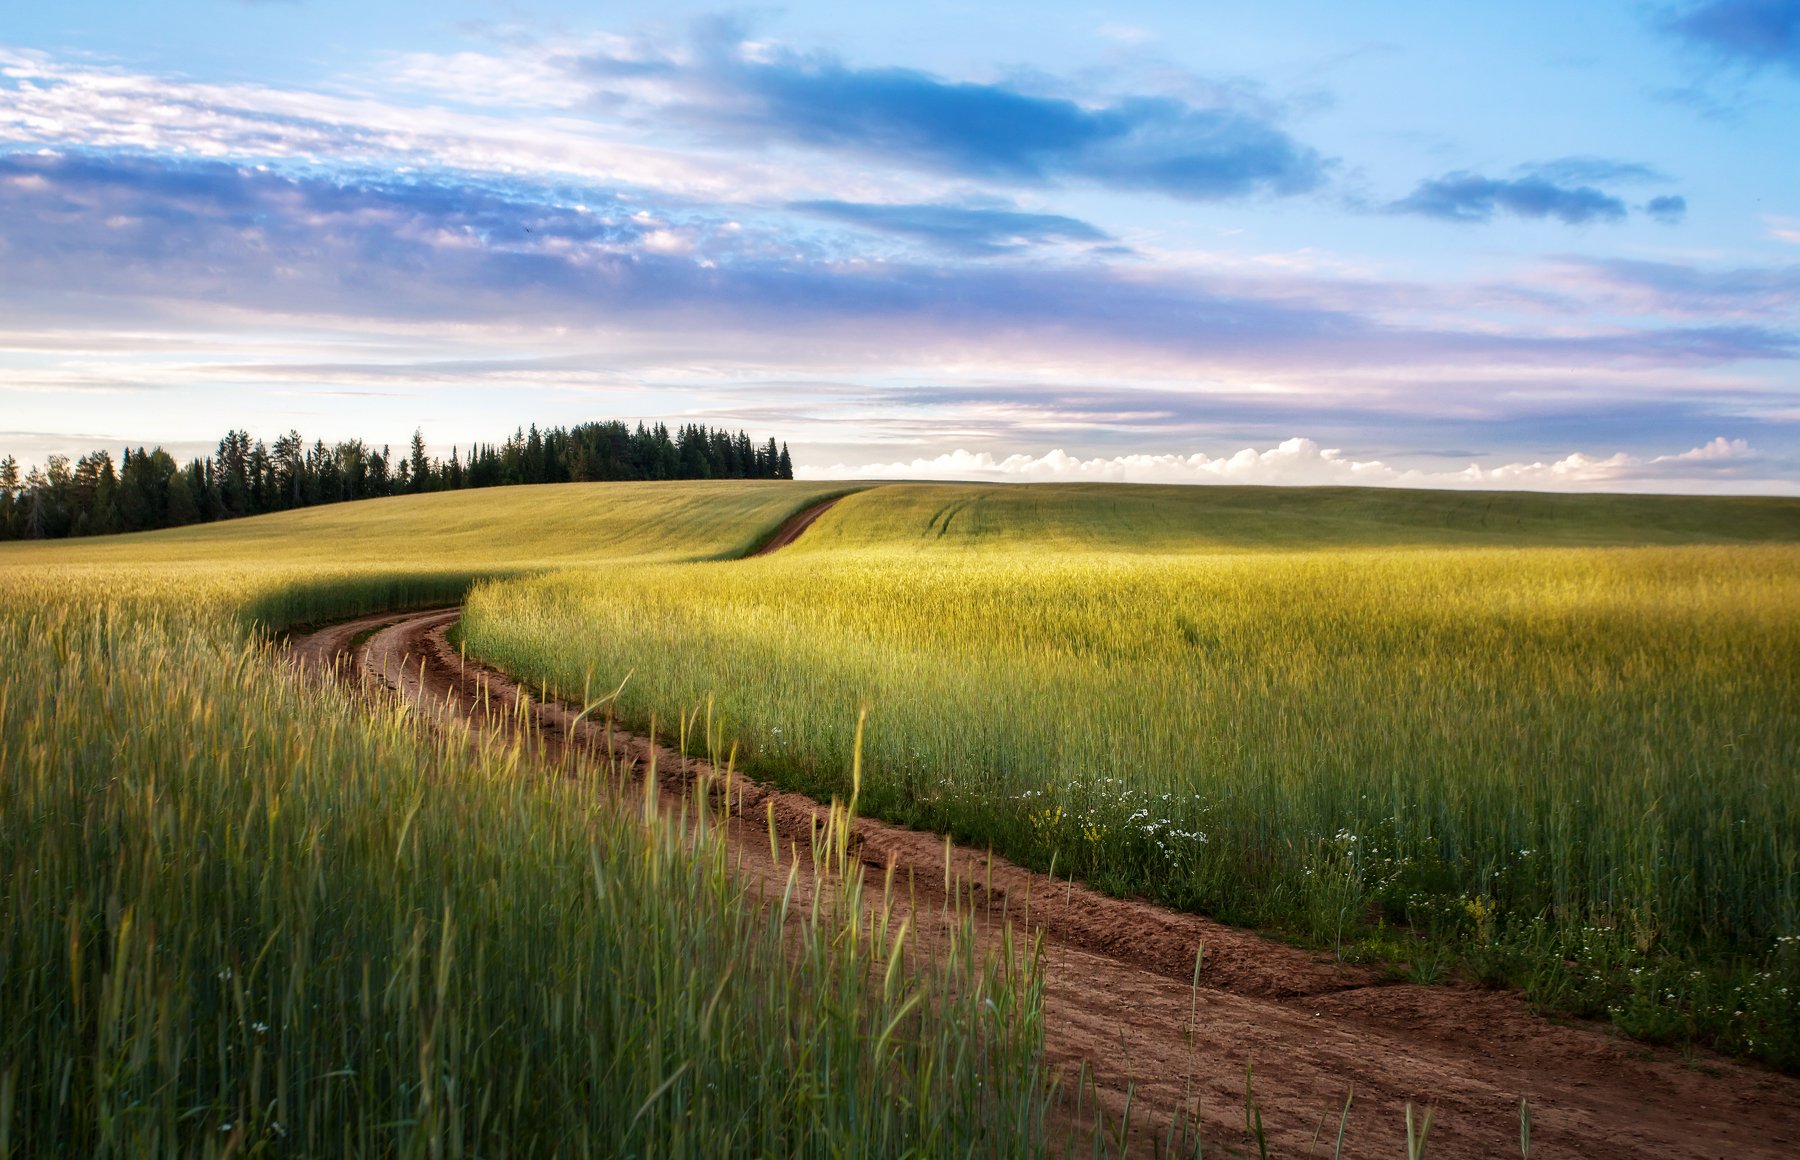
244	915
1543	740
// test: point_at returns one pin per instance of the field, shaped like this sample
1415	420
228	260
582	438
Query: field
1548	741
245	915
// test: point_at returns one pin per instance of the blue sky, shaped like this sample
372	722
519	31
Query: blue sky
1521	244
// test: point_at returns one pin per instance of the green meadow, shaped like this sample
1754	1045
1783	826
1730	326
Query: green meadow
243	916
1549	741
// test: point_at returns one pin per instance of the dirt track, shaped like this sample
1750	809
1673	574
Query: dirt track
790	531
1119	981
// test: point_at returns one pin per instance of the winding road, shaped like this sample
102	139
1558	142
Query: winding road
1121	1003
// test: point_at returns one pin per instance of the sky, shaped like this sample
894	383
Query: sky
1521	244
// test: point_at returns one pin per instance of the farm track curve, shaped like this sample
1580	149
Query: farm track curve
1119	993
791	530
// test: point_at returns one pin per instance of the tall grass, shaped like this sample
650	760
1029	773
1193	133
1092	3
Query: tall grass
242	916
1570	768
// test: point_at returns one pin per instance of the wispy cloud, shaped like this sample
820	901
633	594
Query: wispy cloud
704	118
139	234
1769	292
960	229
62	105
663	224
1594	170
1719	464
727	84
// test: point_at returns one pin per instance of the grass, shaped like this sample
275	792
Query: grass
1550	739
468	532
1045	519
1541	739
245	917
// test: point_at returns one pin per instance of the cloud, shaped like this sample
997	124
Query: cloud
753	93
969	231
1303	461
719	115
659	230
1470	197
69	107
141	235
1586	169
1751	33
439	283
1675	288
1668	210
1717	451
1503	408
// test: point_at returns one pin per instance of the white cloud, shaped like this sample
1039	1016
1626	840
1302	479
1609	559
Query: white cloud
1301	461
1720	448
63	105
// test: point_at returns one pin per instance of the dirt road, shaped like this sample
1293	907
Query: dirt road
1119	982
790	531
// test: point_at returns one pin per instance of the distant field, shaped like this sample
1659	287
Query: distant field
505	527
243	916
344	559
1045	518
1549	739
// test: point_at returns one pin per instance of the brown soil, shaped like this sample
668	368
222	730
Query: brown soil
790	531
1120	998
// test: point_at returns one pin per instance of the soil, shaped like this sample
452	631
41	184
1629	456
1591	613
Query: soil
790	531
1120	980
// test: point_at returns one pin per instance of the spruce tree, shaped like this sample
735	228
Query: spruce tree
289	455
420	467
9	490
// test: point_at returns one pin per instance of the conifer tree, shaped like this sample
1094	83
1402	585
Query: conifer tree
290	470
9	490
148	489
419	468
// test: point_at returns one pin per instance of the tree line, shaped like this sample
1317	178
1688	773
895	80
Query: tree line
93	495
